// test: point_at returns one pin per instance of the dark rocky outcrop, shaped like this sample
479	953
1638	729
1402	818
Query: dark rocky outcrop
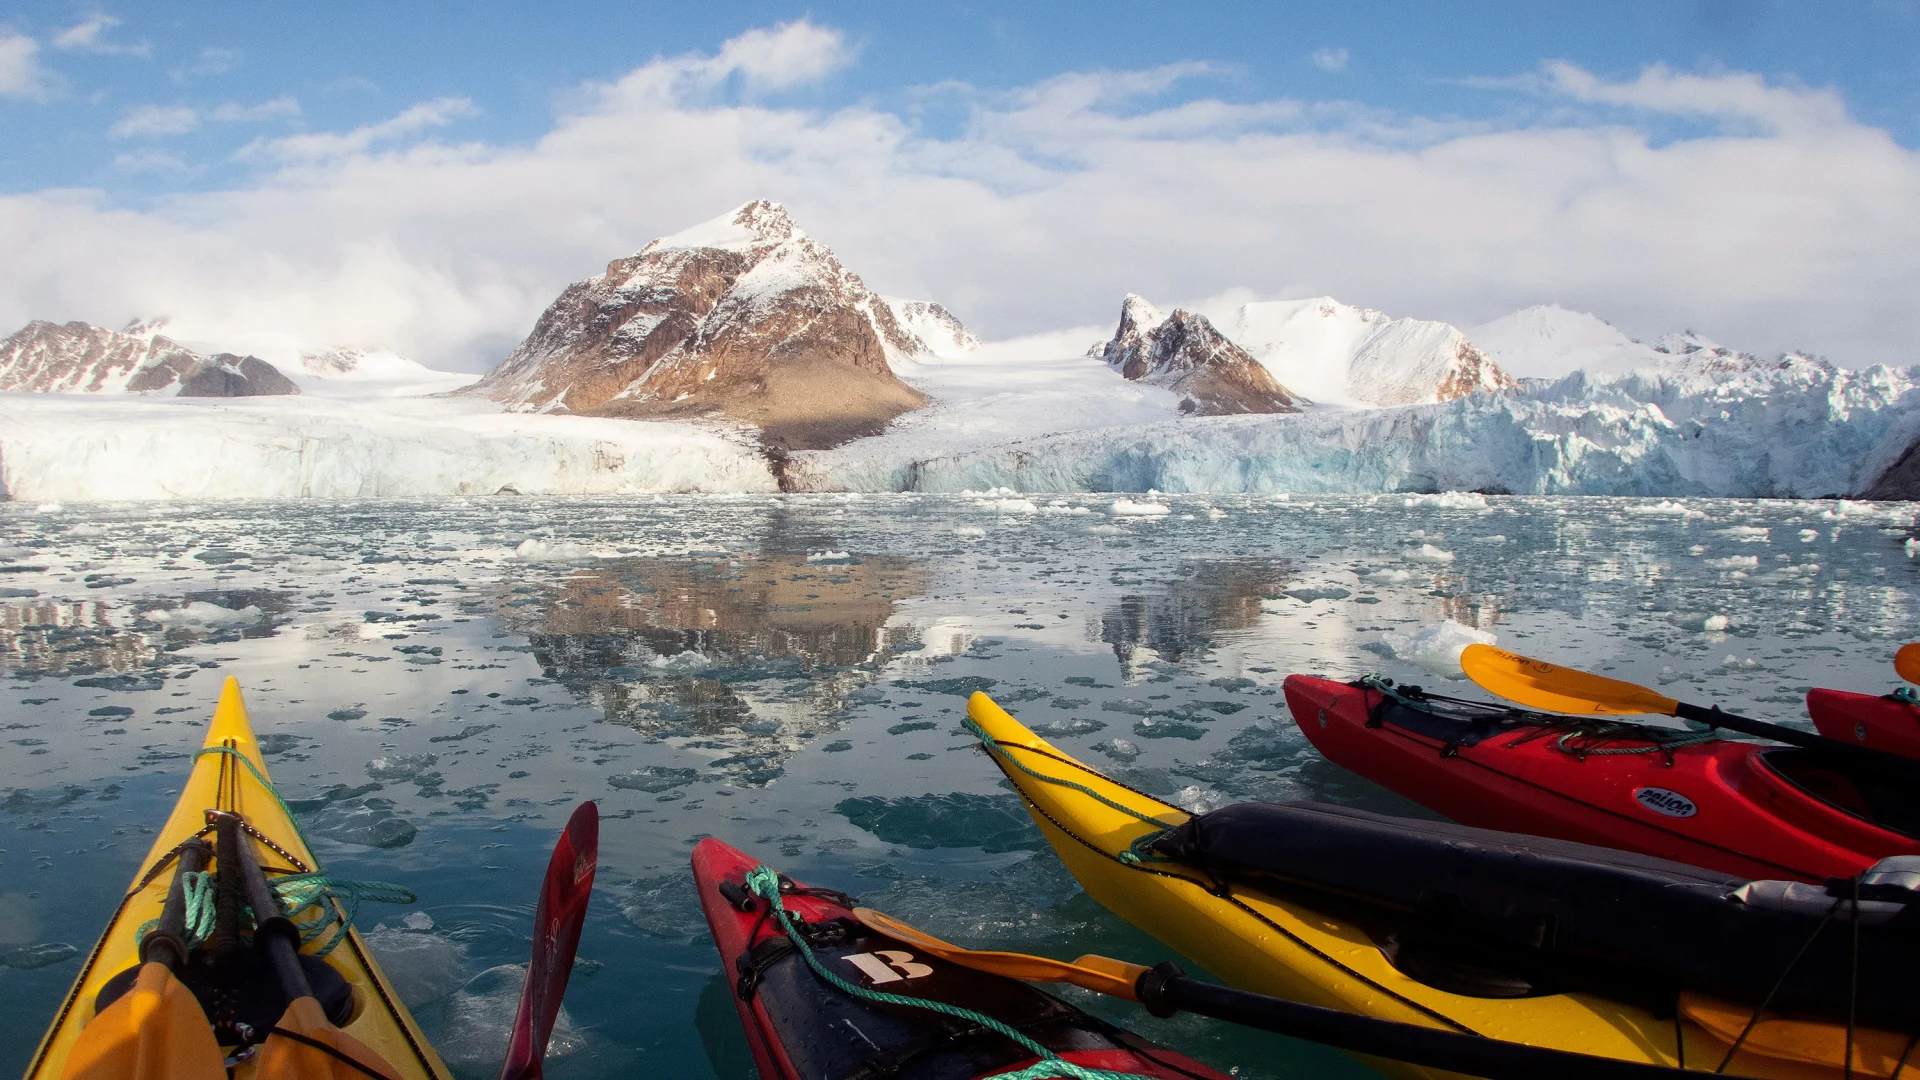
76	357
1185	354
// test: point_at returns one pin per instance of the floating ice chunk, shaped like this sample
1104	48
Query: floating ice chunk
1808	536
1437	647
1427	553
1129	508
48	508
1007	506
1733	562
423	967
202	613
1912	546
1848	509
1747	534
417	920
1063	508
1705	623
1738	663
828	556
1216	513
969	532
1388	575
1450	500
682	662
535	550
1496	538
480	1019
1119	749
1195	799
1663	508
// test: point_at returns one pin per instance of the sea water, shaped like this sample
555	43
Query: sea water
436	685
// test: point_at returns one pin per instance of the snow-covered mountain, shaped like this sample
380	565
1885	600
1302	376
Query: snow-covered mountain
744	317
1344	355
359	373
937	334
1183	353
79	358
1548	341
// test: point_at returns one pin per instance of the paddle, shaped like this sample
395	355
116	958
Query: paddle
1907	662
1164	990
556	933
1540	685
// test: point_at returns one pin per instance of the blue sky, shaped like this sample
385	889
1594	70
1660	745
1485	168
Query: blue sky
426	176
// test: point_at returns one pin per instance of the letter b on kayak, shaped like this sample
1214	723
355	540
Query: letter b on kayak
1661	801
888	965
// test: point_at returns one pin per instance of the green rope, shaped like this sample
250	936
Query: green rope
1907	694
197	888
1136	852
764	882
298	892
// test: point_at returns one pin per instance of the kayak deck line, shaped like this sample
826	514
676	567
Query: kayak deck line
228	777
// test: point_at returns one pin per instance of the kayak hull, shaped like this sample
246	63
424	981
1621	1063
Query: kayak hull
1718	804
1258	941
799	1027
1877	722
229	774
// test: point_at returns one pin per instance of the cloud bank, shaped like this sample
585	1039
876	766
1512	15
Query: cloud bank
1773	220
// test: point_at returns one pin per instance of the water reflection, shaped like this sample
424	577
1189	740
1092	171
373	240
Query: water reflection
749	656
1209	596
67	638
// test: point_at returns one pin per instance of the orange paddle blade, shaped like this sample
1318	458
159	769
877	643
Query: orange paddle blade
315	1049
1907	662
156	1031
1540	685
1100	974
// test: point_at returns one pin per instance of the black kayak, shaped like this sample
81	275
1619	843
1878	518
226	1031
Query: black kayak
1498	914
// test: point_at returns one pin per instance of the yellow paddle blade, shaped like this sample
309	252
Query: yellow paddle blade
1102	975
155	1031
283	1057
1907	662
1540	685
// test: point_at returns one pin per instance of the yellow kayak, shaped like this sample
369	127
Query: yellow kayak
1257	942
229	775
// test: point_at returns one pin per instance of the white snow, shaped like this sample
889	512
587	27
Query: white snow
1548	341
1130	508
353	373
941	336
1338	354
1427	553
112	448
202	613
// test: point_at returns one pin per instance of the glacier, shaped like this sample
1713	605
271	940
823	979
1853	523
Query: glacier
73	447
1794	428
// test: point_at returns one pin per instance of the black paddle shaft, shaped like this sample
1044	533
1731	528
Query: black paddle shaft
1887	766
274	935
1165	991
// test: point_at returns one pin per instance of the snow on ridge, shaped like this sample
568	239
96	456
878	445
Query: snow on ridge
1550	341
939	334
1339	354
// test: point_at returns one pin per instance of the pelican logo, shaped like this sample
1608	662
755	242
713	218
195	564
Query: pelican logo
1661	801
888	965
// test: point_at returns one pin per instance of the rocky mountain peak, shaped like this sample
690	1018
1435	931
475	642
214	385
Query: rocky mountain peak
1185	354
79	358
937	333
743	317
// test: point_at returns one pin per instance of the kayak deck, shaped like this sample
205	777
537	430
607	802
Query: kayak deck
229	774
1257	941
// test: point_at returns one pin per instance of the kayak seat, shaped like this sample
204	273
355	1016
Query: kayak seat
1888	805
1554	914
240	995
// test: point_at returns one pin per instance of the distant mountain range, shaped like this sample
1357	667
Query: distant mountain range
747	325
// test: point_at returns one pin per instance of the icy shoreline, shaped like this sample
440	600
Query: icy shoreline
1796	428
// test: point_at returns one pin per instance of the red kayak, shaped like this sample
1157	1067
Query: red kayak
803	1028
1889	723
1740	808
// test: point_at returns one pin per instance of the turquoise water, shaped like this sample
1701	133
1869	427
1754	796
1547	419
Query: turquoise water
439	683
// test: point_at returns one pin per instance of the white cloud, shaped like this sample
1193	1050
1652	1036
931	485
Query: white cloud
326	145
149	160
1330	59
279	108
787	55
1791	225
211	61
86	36
154	121
20	72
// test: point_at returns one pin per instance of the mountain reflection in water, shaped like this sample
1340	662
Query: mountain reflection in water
1209	596
749	655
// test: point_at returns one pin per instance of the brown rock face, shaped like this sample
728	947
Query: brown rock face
1184	353
77	358
1472	372
744	317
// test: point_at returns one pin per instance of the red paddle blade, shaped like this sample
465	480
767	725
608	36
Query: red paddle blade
556	933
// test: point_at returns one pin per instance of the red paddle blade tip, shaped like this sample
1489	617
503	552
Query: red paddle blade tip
556	934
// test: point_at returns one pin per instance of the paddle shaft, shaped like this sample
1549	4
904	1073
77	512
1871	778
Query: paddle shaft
166	945
1891	767
273	933
1164	990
